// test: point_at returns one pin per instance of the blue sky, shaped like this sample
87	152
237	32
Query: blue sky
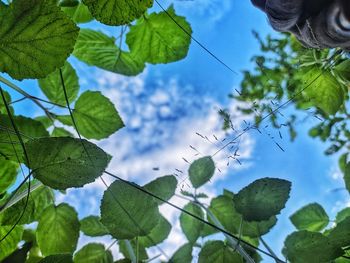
166	105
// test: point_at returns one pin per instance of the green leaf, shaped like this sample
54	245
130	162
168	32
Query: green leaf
343	70
262	199
79	13
126	245
158	234
305	246
127	212
37	202
163	187
311	217
45	121
97	49
95	116
59	258
19	255
58	230
343	161
3	109
342	215
117	12
28	128
217	252
8	174
36	37
52	85
93	253
223	209
183	254
191	226
201	171
92	226
9	244
158	39
347	177
340	234
60	132
323	90
65	162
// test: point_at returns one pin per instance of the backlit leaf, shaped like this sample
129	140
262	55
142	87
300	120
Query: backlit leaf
93	253
8	174
92	226
262	199
127	212
201	171
9	244
36	37
217	252
191	226
158	234
60	258
65	162
163	187
58	230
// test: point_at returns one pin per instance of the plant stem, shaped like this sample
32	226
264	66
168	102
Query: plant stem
269	249
25	94
131	251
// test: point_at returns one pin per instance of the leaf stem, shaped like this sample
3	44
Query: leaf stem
131	251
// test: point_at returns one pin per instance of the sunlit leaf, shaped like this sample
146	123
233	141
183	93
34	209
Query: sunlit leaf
117	12
340	235
93	253
311	217
60	258
183	254
342	215
9	244
78	13
158	234
60	132
163	187
65	162
36	37
201	171
58	230
95	116
158	39
305	246
8	173
262	199
191	226
92	226
127	212
52	85
97	49
217	252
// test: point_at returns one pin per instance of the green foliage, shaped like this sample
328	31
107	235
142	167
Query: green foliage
41	38
191	227
218	251
58	230
343	214
93	253
65	162
201	171
8	173
8	245
157	235
157	39
92	226
183	254
60	258
311	217
163	187
262	199
137	213
78	13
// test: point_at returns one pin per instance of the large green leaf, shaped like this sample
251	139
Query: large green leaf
323	90
157	39
117	12
8	173
158	234
92	226
65	162
163	187
183	254
342	214
223	209
340	234
78	13
9	244
97	49
8	100
343	70
95	116
37	202
58	230
28	128
305	246
201	171
127	212
311	217
36	37
59	258
93	253
52	85
262	199
191	226
217	252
